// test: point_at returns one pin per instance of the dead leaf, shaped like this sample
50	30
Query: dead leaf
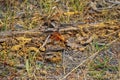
82	49
87	41
23	40
42	49
53	57
33	49
71	13
119	34
16	47
73	45
57	36
43	72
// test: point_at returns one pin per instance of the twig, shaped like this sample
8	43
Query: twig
113	2
68	29
11	33
89	58
46	40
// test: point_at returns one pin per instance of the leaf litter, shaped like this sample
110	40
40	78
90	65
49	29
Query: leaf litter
53	49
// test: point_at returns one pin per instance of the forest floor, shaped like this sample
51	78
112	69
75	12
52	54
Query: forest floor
59	40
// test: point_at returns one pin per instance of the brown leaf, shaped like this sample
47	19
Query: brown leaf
57	36
16	47
71	13
53	57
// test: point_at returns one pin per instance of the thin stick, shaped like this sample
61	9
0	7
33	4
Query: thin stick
46	40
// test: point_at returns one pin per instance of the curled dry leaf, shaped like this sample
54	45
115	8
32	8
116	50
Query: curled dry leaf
119	34
53	57
42	49
73	45
71	13
16	47
56	47
57	36
82	49
89	40
34	49
43	72
23	40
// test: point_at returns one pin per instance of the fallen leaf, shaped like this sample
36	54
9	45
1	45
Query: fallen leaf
43	72
53	57
57	36
82	49
71	13
16	47
23	40
73	45
33	49
119	34
42	49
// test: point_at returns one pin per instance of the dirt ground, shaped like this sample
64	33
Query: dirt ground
62	46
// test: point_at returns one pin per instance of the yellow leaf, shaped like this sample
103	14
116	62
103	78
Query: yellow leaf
100	25
82	48
42	49
16	47
53	57
23	40
33	49
119	34
71	13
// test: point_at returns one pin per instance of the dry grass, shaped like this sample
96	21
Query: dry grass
18	15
